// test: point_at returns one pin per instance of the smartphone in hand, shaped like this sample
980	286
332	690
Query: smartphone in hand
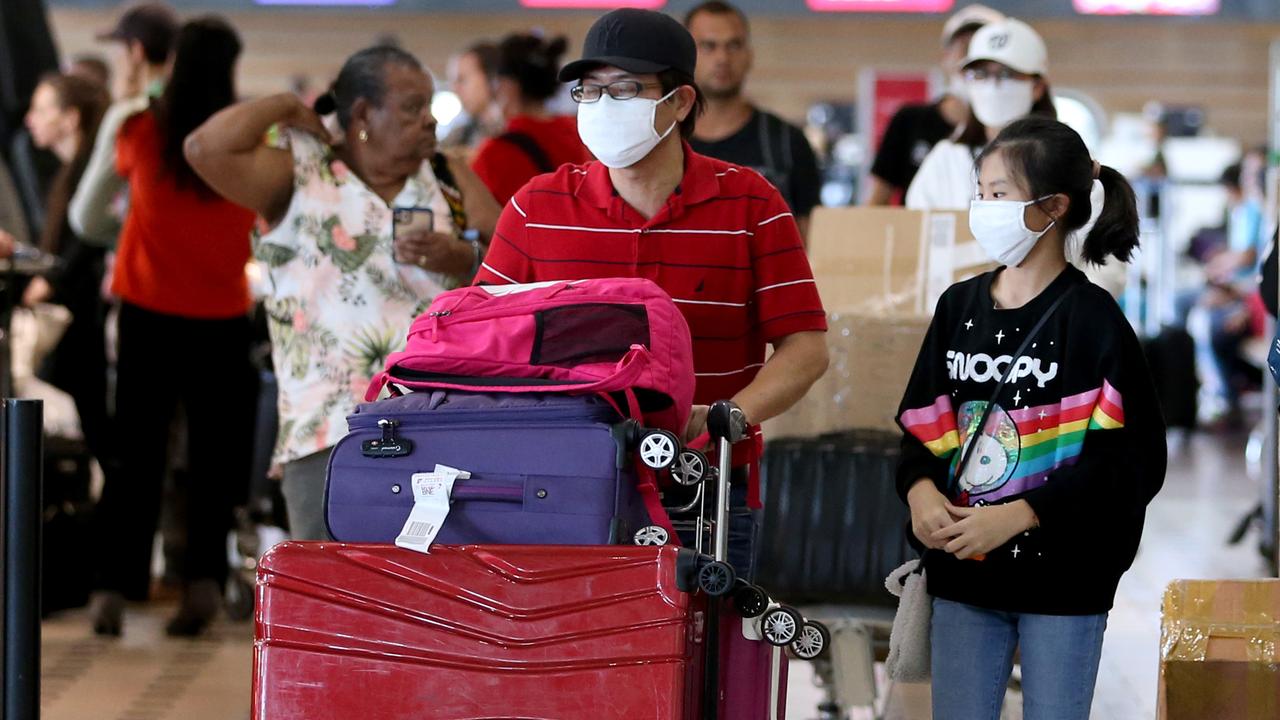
406	220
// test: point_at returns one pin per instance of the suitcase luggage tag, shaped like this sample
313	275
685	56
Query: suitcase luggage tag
431	493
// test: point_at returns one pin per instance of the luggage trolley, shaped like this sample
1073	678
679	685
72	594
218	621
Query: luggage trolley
706	517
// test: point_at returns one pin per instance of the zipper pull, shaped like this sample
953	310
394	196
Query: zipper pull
435	322
388	427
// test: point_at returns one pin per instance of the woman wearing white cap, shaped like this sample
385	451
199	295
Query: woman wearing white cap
1006	75
1006	78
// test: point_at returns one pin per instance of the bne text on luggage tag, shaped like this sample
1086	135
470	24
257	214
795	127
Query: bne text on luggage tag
430	507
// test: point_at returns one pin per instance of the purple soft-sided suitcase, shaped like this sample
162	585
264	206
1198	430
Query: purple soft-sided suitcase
546	469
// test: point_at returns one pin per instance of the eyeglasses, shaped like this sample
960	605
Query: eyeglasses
1000	76
619	90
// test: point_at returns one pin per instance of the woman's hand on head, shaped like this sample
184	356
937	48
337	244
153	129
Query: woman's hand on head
301	117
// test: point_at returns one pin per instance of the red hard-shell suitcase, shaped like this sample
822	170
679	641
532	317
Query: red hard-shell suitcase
468	632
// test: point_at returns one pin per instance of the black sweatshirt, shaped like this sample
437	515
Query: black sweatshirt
1077	433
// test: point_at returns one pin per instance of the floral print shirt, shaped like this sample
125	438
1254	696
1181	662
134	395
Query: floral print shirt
338	302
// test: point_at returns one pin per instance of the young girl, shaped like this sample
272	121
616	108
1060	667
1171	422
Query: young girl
1027	545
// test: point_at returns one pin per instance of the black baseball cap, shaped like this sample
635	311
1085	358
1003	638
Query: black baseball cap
638	41
152	24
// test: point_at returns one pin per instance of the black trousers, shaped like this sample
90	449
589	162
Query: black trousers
78	366
164	360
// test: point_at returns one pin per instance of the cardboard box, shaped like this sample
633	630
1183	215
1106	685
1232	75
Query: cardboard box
865	257
871	361
1220	650
880	272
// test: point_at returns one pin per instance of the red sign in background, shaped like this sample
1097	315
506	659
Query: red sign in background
595	4
885	6
1147	7
889	94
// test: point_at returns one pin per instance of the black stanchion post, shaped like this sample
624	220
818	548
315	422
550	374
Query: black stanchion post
22	481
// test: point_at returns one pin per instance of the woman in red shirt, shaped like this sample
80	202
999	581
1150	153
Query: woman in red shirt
184	339
535	141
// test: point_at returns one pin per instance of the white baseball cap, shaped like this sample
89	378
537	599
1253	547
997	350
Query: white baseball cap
1011	43
970	17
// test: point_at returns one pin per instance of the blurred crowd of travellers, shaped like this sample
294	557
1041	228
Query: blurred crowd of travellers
199	235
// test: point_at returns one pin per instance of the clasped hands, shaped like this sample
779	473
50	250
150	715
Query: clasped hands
967	533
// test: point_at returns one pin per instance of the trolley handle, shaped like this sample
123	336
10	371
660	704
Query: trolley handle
726	421
727	424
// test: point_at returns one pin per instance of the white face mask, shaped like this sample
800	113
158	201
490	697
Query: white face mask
620	133
958	87
1000	227
998	103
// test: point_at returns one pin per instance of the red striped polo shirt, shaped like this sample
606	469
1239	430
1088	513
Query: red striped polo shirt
725	247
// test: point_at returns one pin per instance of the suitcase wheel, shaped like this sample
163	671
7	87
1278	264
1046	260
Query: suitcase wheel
651	535
781	625
690	468
716	578
658	449
750	601
812	641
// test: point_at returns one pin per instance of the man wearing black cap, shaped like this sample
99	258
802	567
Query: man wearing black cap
717	237
144	38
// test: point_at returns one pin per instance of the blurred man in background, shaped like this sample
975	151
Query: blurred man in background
732	128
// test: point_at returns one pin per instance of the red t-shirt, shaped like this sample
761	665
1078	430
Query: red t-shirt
181	252
725	247
505	167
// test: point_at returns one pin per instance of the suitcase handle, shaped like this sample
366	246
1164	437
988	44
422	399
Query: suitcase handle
491	493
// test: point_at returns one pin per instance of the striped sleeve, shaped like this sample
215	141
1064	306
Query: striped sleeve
786	298
507	261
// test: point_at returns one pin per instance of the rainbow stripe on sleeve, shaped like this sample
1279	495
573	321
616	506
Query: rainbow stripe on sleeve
1049	436
935	426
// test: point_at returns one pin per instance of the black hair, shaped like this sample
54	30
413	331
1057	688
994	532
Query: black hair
532	62
671	79
974	134
717	7
487	55
1047	157
201	83
1233	176
363	75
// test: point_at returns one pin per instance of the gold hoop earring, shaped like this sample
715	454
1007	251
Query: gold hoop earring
363	135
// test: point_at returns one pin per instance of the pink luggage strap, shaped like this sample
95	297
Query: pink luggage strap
626	372
646	478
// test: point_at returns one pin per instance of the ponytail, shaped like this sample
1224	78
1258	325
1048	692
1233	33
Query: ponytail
1115	233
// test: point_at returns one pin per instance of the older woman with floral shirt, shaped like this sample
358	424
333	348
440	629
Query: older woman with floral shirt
343	291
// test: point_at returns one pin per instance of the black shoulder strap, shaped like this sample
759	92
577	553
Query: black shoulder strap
986	412
529	147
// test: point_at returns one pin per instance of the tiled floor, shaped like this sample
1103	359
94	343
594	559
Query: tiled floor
145	676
